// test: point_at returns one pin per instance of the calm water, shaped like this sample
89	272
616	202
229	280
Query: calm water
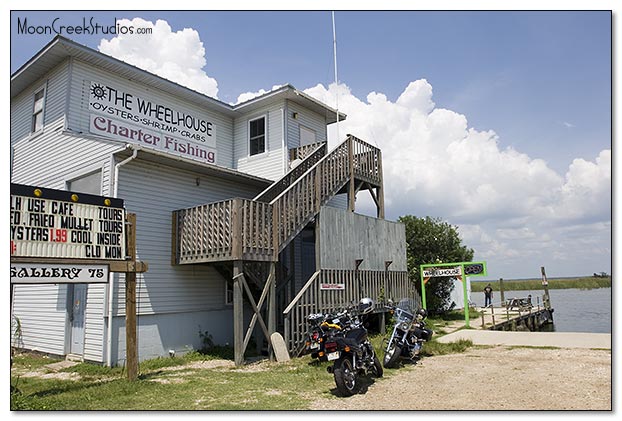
575	310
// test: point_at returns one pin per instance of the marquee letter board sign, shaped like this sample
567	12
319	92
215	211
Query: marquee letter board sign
52	223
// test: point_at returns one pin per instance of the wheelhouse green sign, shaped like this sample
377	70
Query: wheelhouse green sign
458	270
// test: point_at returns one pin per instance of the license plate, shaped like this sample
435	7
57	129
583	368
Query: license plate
332	356
314	345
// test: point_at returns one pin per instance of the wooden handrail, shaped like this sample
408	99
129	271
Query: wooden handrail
246	229
318	151
301	292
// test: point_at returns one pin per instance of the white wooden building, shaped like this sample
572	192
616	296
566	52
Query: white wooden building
216	196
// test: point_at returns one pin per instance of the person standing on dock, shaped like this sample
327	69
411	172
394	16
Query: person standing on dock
488	295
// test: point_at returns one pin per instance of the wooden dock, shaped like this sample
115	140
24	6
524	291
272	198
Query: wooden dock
514	318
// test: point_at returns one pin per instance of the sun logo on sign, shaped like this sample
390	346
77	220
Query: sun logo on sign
98	91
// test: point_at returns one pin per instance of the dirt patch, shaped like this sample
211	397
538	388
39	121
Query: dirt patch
492	378
200	365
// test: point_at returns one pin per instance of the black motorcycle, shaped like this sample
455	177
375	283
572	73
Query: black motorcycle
408	335
352	353
321	326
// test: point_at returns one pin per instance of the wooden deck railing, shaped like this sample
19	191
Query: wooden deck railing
367	161
348	287
255	230
235	229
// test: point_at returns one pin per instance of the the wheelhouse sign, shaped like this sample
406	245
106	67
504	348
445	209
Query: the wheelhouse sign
438	272
143	120
60	224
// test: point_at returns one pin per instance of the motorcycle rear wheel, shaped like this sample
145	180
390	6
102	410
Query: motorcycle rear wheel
345	377
391	356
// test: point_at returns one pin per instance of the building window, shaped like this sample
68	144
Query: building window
257	136
37	111
89	183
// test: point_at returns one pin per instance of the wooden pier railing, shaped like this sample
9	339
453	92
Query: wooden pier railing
516	314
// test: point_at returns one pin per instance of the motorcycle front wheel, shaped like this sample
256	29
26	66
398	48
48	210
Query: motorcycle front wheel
345	377
391	356
378	371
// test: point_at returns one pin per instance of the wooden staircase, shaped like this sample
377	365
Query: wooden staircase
259	229
243	238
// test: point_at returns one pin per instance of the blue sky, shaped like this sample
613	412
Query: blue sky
531	89
521	73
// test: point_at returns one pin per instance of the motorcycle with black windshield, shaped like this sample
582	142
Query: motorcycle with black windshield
408	335
352	352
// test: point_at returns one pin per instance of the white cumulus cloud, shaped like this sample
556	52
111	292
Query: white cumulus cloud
510	207
177	56
247	96
513	209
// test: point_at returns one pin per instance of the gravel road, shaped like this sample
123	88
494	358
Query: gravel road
492	378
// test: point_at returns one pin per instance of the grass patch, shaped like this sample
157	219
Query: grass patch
32	360
532	347
259	386
433	348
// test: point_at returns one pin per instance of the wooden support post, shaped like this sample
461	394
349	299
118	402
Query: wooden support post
357	263
501	291
238	313
131	351
351	186
545	284
380	189
492	313
272	308
236	229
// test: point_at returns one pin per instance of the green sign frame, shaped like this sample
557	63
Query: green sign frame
459	270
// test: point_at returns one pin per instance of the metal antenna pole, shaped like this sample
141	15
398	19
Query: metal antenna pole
336	80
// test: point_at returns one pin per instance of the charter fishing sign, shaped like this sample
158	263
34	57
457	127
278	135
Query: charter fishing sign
145	120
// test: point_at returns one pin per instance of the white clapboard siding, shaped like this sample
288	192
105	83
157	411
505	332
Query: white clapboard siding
94	323
306	118
153	192
55	83
270	164
78	119
42	312
52	158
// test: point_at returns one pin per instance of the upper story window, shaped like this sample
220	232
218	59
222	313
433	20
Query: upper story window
257	136
37	111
